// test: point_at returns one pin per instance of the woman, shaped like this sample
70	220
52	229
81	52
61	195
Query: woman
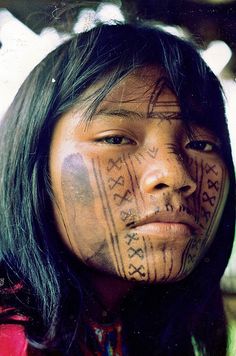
117	212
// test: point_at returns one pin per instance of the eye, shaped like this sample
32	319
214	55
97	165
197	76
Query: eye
116	140
203	146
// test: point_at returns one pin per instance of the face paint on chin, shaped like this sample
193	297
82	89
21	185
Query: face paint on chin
207	206
107	188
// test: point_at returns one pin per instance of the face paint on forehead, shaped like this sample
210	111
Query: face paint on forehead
163	104
163	109
158	95
118	196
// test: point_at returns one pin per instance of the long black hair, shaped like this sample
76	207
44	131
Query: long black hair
158	319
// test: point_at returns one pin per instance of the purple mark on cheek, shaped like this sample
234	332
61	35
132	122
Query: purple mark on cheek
75	181
85	231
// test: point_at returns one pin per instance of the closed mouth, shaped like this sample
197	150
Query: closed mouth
165	222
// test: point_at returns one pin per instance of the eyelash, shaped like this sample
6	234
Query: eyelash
117	139
197	145
202	146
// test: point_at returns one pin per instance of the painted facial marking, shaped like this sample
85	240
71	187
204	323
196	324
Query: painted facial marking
198	209
208	199
209	207
114	164
135	200
211	168
135	252
124	195
213	185
149	153
131	237
127	216
113	182
109	218
152	152
161	105
206	214
173	149
139	271
121	199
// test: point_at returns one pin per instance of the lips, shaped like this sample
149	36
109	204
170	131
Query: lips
167	224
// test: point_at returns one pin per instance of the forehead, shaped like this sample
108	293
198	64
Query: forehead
145	86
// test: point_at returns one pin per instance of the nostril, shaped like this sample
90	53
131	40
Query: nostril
161	186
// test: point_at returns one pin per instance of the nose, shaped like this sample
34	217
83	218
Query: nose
170	176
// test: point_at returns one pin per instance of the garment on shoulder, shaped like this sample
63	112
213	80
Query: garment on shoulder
13	341
103	339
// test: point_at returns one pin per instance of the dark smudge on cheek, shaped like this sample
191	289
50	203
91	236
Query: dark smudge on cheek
75	181
78	197
85	231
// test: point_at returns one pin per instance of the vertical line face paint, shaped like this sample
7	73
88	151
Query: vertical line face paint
134	196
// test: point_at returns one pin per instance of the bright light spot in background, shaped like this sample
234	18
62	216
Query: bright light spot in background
229	87
174	30
86	21
21	51
109	13
106	13
217	55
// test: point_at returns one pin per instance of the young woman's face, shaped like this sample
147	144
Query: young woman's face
135	196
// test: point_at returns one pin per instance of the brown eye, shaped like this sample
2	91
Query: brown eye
203	146
117	140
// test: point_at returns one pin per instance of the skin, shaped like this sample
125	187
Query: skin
135	198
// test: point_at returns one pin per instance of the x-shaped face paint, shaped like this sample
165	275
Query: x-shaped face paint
134	196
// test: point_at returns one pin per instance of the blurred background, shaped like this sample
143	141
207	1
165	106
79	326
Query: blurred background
29	29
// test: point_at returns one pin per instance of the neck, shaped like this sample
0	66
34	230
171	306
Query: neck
106	294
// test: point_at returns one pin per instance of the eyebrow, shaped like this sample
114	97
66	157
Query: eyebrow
139	115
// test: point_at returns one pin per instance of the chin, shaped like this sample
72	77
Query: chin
169	272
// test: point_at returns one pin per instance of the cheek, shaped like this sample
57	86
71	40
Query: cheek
211	194
120	188
207	204
82	230
117	181
212	197
116	193
102	199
